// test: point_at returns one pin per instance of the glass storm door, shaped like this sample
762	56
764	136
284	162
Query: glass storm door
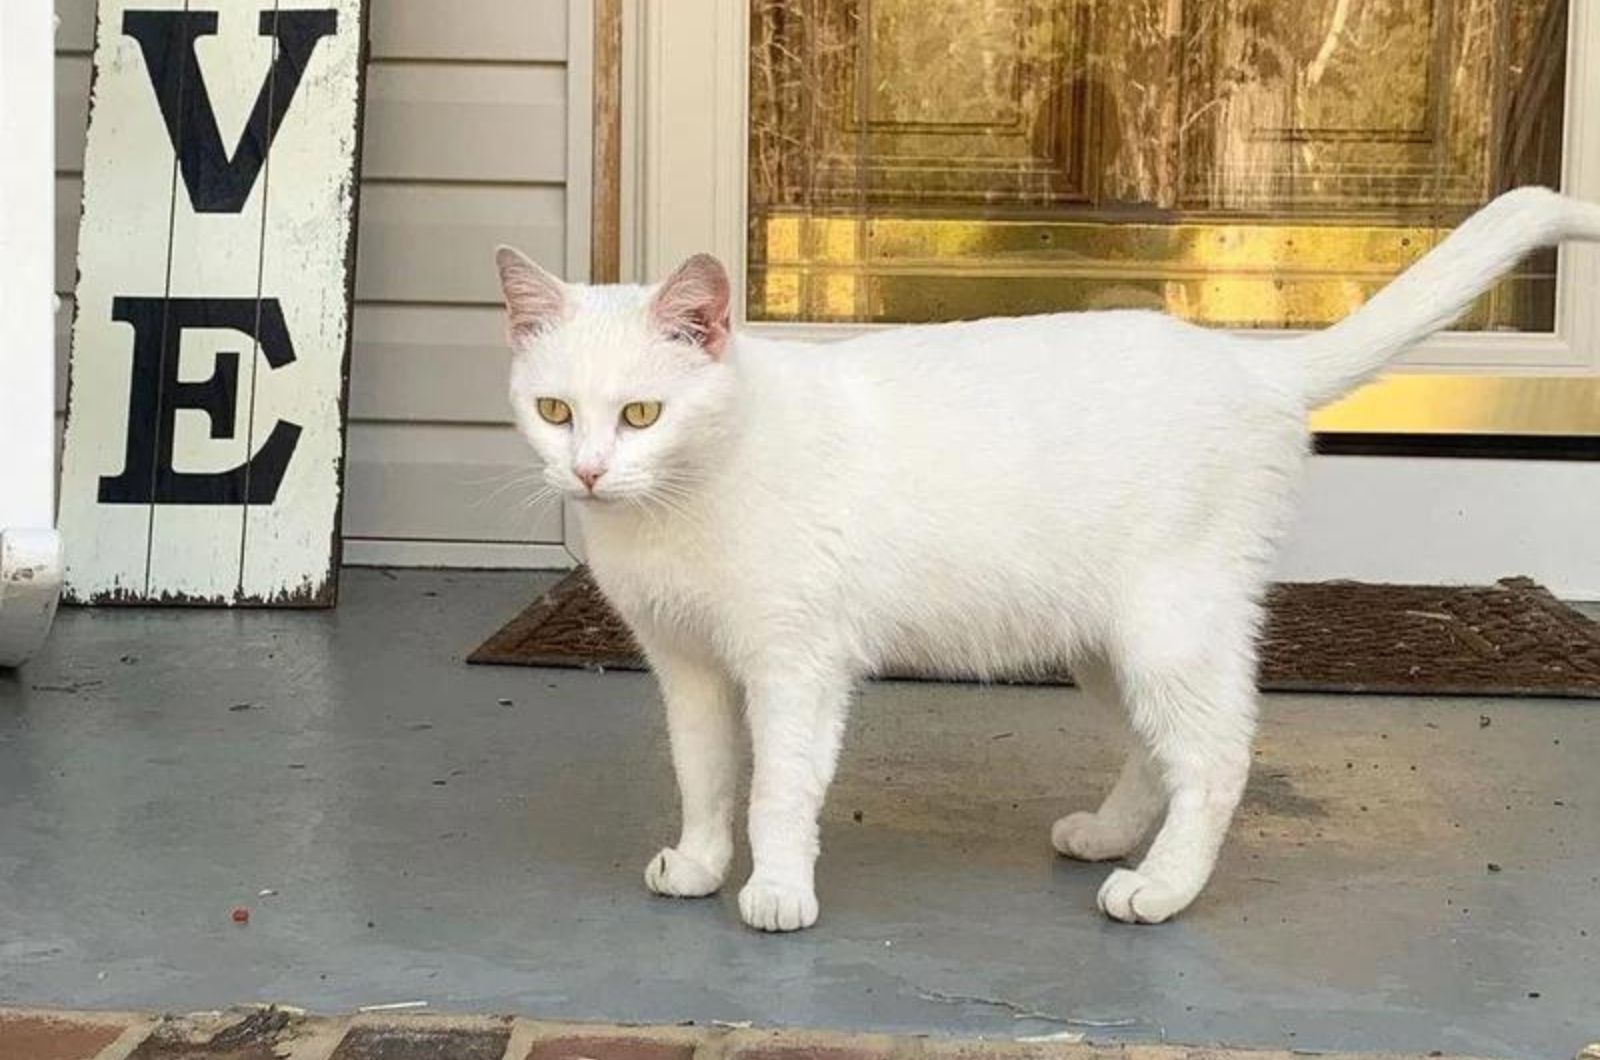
1248	164
1245	163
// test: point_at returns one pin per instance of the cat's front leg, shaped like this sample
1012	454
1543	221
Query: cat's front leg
796	723
702	722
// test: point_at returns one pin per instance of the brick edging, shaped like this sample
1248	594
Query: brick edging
281	1033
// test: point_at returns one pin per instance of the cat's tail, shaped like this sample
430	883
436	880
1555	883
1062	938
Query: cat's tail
1432	293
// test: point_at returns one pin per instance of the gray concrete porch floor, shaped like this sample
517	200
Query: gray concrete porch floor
428	841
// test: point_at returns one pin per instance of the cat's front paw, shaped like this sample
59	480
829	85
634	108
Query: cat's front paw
1135	898
772	905
678	875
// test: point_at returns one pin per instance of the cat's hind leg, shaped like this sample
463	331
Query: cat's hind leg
1186	664
702	722
1135	801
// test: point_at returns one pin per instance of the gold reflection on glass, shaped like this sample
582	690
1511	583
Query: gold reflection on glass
1248	163
1469	404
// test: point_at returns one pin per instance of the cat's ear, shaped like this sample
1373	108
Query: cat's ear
692	304
535	300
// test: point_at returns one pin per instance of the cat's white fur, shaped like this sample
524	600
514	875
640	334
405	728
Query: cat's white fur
1103	490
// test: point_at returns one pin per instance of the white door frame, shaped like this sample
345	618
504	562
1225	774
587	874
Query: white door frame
1386	519
30	547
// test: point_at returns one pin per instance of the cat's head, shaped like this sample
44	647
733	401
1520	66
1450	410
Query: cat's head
625	392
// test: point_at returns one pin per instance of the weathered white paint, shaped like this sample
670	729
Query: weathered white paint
30	548
121	248
194	550
292	545
288	244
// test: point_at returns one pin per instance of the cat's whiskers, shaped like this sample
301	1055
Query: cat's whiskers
670	492
538	497
517	478
660	502
502	475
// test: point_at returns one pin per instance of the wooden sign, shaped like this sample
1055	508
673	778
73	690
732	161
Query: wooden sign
205	430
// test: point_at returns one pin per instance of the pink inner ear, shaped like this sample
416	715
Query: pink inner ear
692	304
535	300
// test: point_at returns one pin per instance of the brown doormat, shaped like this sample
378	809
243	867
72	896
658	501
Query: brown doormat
1510	639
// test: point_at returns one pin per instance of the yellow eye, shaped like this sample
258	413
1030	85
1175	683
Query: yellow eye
554	410
641	414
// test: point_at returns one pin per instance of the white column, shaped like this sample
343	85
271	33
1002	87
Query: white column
30	548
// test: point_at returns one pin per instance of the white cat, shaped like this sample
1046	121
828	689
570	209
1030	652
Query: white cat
776	519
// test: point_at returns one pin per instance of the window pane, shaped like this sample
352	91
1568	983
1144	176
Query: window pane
1248	163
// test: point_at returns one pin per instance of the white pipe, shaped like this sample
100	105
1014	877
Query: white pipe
30	549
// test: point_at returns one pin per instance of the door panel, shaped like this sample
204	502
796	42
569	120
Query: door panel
1250	163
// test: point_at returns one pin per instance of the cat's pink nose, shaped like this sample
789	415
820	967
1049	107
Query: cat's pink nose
589	476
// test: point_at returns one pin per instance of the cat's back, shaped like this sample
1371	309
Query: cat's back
1117	371
1043	418
1114	349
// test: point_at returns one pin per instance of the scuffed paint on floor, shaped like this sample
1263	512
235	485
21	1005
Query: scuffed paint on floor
474	838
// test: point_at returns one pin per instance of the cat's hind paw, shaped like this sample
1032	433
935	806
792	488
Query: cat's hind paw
677	875
771	905
1134	898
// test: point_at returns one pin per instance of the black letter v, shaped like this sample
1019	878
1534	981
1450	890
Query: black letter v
216	183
